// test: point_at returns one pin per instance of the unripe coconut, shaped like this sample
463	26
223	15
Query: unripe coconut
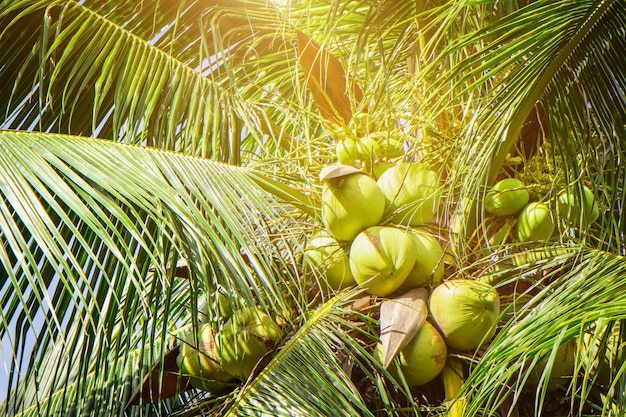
215	306
380	167
428	268
562	367
381	258
242	342
219	305
412	193
466	311
346	151
535	223
391	148
200	363
576	210
350	202
224	305
362	124
368	148
423	358
325	253
506	197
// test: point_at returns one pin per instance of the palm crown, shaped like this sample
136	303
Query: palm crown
137	135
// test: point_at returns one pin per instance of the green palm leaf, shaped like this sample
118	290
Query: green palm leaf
146	75
91	230
94	216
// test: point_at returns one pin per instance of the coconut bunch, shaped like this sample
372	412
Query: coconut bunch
535	221
215	360
362	144
419	329
461	317
371	235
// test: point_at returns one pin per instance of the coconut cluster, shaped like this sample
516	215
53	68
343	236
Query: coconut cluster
463	317
371	236
361	144
374	237
217	360
536	221
575	207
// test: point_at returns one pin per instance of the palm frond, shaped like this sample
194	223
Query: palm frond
148	74
90	230
83	221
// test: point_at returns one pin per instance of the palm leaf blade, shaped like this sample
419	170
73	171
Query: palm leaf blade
97	272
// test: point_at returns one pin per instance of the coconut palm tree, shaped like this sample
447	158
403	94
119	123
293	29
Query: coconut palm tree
155	155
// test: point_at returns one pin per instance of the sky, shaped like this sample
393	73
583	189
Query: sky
9	343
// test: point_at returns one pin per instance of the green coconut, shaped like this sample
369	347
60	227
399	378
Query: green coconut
381	257
412	192
578	208
218	306
429	267
244	340
605	348
368	149
562	368
535	223
351	201
346	151
215	306
391	148
224	306
423	358
506	197
197	359
326	254
466	311
362	124
380	167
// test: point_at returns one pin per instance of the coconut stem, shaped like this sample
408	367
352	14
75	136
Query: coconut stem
452	382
